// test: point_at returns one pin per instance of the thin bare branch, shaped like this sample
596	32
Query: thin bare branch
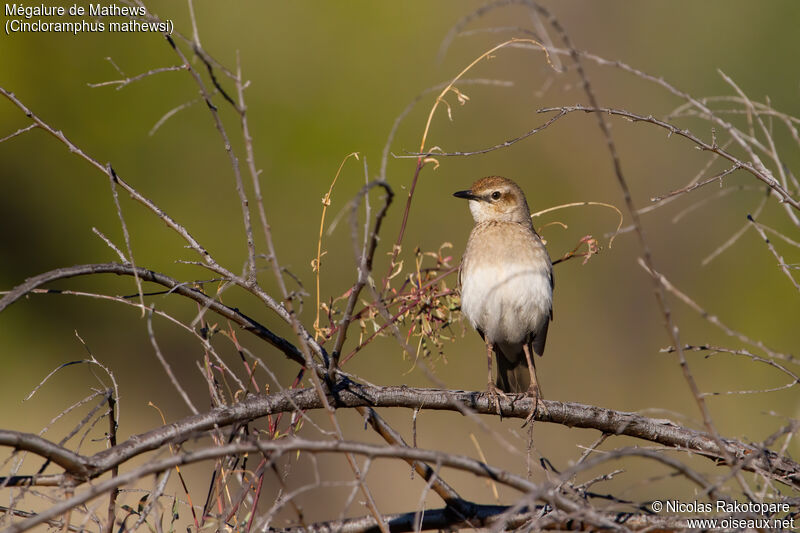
175	286
781	262
757	171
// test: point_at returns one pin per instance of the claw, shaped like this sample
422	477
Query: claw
494	393
533	392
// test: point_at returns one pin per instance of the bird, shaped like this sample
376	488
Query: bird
506	282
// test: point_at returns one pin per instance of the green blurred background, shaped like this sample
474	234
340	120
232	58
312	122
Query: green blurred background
327	79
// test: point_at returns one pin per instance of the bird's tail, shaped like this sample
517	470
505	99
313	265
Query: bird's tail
512	370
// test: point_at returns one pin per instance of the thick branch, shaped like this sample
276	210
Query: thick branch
753	458
68	460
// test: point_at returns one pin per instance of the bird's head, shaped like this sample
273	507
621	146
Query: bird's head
496	199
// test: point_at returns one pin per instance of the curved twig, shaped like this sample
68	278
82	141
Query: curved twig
175	286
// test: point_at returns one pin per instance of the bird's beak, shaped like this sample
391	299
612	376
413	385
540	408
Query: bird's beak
467	195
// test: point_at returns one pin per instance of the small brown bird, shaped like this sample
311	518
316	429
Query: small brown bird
506	280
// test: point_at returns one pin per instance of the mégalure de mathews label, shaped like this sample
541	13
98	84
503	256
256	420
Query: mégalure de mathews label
95	10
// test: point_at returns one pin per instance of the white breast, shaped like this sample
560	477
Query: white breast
506	300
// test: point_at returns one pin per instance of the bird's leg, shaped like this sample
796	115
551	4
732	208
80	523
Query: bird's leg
491	388
533	389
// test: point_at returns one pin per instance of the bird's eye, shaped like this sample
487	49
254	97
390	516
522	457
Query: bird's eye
496	195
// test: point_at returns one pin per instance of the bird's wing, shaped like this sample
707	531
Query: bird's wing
541	337
552	287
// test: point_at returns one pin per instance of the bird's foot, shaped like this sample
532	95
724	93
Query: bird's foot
494	395
535	395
